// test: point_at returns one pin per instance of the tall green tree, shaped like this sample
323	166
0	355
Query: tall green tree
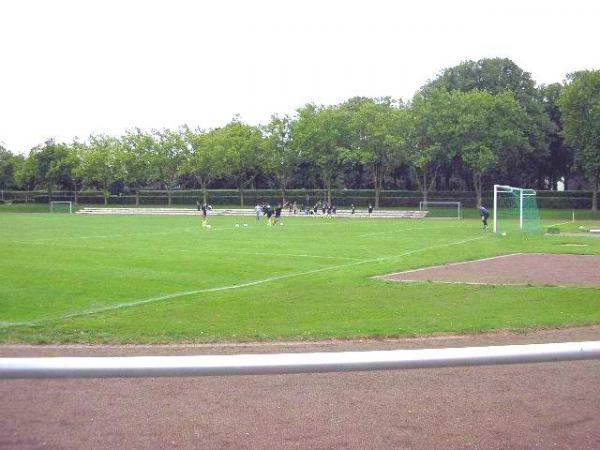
376	136
580	109
561	158
495	76
318	135
488	127
167	157
9	165
201	158
102	163
239	153
432	124
52	166
282	158
137	149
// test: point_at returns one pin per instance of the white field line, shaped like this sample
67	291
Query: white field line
401	230
225	288
446	265
557	224
99	236
221	252
479	283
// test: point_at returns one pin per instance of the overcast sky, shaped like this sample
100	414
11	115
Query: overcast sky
72	68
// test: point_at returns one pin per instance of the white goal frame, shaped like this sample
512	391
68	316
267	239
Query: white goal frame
459	209
61	202
499	188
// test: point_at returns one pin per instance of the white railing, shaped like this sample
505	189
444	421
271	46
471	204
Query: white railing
179	366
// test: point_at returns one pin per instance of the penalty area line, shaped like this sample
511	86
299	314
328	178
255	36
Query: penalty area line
110	308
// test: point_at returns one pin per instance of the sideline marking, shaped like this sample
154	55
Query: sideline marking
557	224
408	229
271	254
447	265
225	288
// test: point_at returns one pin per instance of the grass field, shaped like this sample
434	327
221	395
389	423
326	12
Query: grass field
150	279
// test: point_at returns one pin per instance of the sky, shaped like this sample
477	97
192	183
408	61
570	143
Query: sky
73	68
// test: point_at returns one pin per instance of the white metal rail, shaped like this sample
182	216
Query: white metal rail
211	365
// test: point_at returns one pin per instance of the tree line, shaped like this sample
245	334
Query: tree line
475	124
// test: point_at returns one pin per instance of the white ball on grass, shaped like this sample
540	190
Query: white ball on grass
237	225
245	224
502	234
208	226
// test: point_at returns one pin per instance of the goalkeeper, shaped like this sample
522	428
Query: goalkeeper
485	215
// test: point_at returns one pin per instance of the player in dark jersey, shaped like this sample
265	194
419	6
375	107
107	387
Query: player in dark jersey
204	209
485	215
370	209
277	213
269	214
352	209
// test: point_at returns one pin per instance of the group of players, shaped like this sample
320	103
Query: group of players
273	215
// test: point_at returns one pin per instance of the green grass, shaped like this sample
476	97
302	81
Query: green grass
70	278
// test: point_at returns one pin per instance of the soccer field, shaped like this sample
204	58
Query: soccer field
150	279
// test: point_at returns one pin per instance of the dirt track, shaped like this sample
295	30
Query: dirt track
520	269
522	406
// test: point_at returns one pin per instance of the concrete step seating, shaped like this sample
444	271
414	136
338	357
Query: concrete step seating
246	212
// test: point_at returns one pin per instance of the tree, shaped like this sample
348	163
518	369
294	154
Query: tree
52	166
580	110
495	76
281	156
318	134
488	126
561	158
376	129
431	134
201	160
102	163
238	150
9	165
137	154
167	156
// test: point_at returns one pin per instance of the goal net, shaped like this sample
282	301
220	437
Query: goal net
515	209
442	210
61	207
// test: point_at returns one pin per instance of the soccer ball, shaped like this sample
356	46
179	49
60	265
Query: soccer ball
245	224
503	234
237	225
209	226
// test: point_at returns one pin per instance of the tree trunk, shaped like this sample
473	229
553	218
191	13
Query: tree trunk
377	182
169	195
477	186
595	194
137	197
204	193
241	189
76	195
328	186
283	195
106	194
422	184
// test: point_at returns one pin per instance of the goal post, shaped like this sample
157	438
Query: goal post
515	209
442	209
61	207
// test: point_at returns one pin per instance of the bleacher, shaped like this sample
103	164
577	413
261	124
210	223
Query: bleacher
247	212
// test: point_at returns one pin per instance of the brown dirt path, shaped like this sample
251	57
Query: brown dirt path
522	406
521	268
